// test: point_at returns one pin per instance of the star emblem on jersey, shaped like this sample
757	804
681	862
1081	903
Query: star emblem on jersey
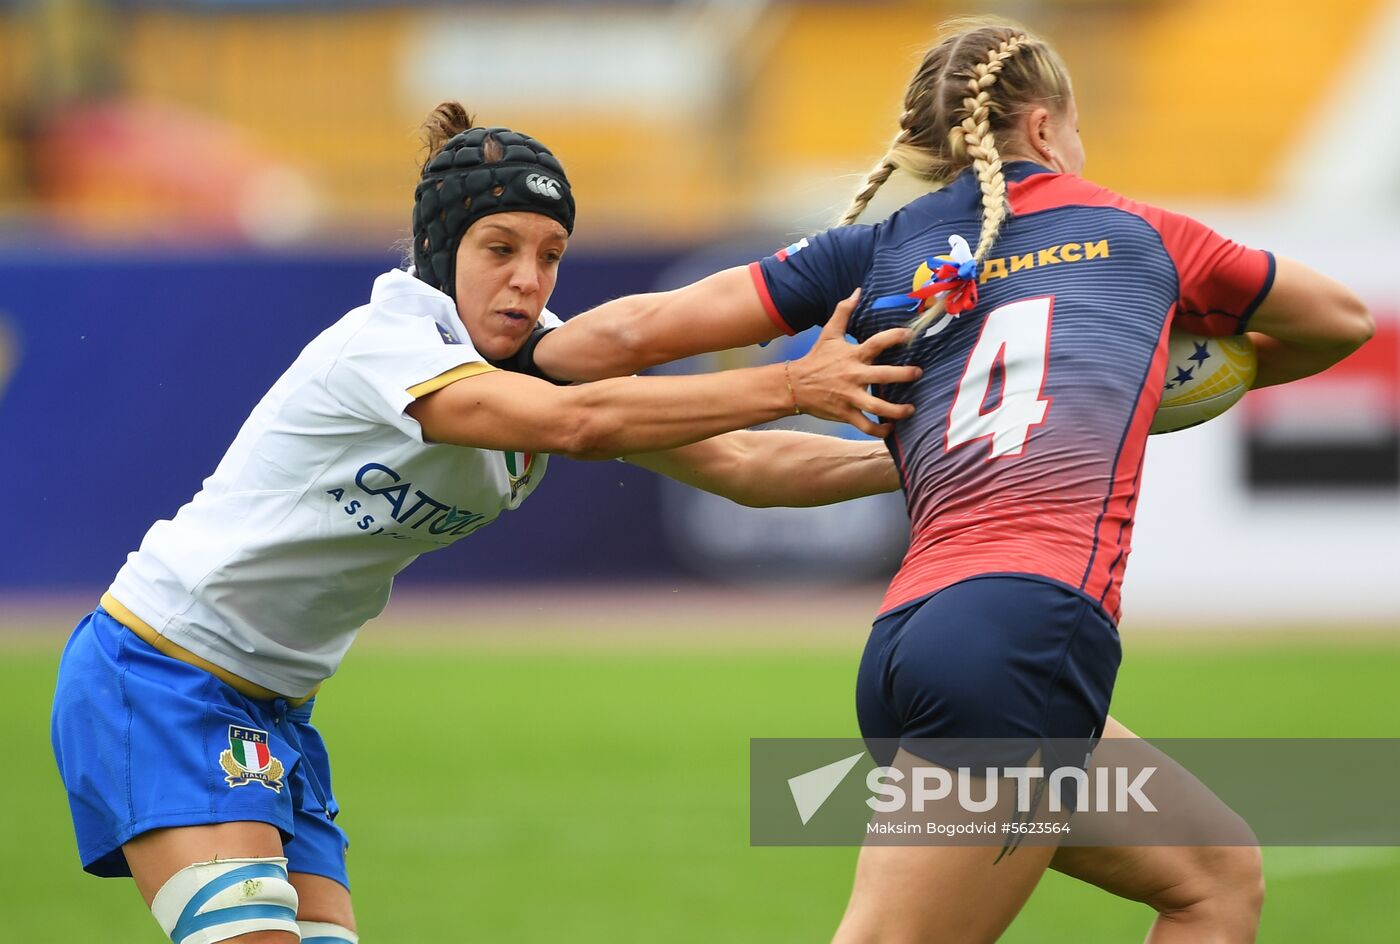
249	759
447	337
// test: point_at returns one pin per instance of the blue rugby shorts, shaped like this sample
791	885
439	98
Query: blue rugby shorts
145	741
1001	663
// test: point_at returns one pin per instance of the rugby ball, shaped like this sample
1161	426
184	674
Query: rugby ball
1205	377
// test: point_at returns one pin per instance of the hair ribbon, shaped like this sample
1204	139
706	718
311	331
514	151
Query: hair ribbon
954	277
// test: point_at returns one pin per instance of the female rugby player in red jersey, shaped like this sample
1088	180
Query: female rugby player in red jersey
1043	351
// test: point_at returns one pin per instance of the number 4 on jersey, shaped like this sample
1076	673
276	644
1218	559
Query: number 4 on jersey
999	395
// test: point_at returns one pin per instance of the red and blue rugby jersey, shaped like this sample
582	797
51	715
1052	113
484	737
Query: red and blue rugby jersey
1025	454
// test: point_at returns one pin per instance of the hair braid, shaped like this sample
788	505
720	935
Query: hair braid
883	168
873	182
981	144
975	136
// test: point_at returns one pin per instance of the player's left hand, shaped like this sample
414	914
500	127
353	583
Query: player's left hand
832	381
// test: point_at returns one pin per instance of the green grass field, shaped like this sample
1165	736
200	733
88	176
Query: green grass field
595	789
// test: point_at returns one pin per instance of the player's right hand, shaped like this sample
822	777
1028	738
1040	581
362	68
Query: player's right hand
832	381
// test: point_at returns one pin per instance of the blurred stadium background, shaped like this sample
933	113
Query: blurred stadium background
552	719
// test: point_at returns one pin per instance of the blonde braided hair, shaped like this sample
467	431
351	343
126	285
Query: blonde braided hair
967	91
974	137
905	152
873	182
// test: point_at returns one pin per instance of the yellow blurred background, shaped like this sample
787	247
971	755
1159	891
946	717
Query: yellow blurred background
291	122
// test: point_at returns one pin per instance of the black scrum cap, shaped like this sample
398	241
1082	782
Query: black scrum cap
459	187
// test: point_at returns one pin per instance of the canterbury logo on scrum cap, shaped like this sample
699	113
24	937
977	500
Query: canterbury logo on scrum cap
542	185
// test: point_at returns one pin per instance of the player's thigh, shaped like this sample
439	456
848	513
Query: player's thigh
1170	877
157	855
939	893
322	899
1153	875
930	889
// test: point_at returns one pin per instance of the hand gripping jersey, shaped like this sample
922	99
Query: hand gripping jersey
1025	453
327	492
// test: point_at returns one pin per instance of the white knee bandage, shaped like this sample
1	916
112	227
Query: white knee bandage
214	901
319	932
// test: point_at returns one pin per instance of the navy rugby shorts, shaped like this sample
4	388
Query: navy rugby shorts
1002	663
144	741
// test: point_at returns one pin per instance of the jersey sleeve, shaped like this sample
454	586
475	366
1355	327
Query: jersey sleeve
800	285
549	319
1221	282
392	361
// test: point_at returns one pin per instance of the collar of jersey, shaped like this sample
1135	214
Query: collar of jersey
1020	170
396	283
1014	171
964	186
400	282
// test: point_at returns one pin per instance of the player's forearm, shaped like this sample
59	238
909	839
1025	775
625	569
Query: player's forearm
771	468
1283	362
646	414
607	341
621	337
502	409
1308	322
803	469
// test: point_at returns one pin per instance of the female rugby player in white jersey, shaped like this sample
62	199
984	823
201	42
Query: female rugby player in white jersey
182	717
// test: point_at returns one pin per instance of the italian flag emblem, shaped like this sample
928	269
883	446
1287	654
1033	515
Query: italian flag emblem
250	749
250	759
518	465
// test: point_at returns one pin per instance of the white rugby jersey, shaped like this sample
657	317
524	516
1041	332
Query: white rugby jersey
326	493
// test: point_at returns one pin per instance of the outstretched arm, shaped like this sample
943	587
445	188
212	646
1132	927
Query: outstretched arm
629	334
504	410
1307	323
767	468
